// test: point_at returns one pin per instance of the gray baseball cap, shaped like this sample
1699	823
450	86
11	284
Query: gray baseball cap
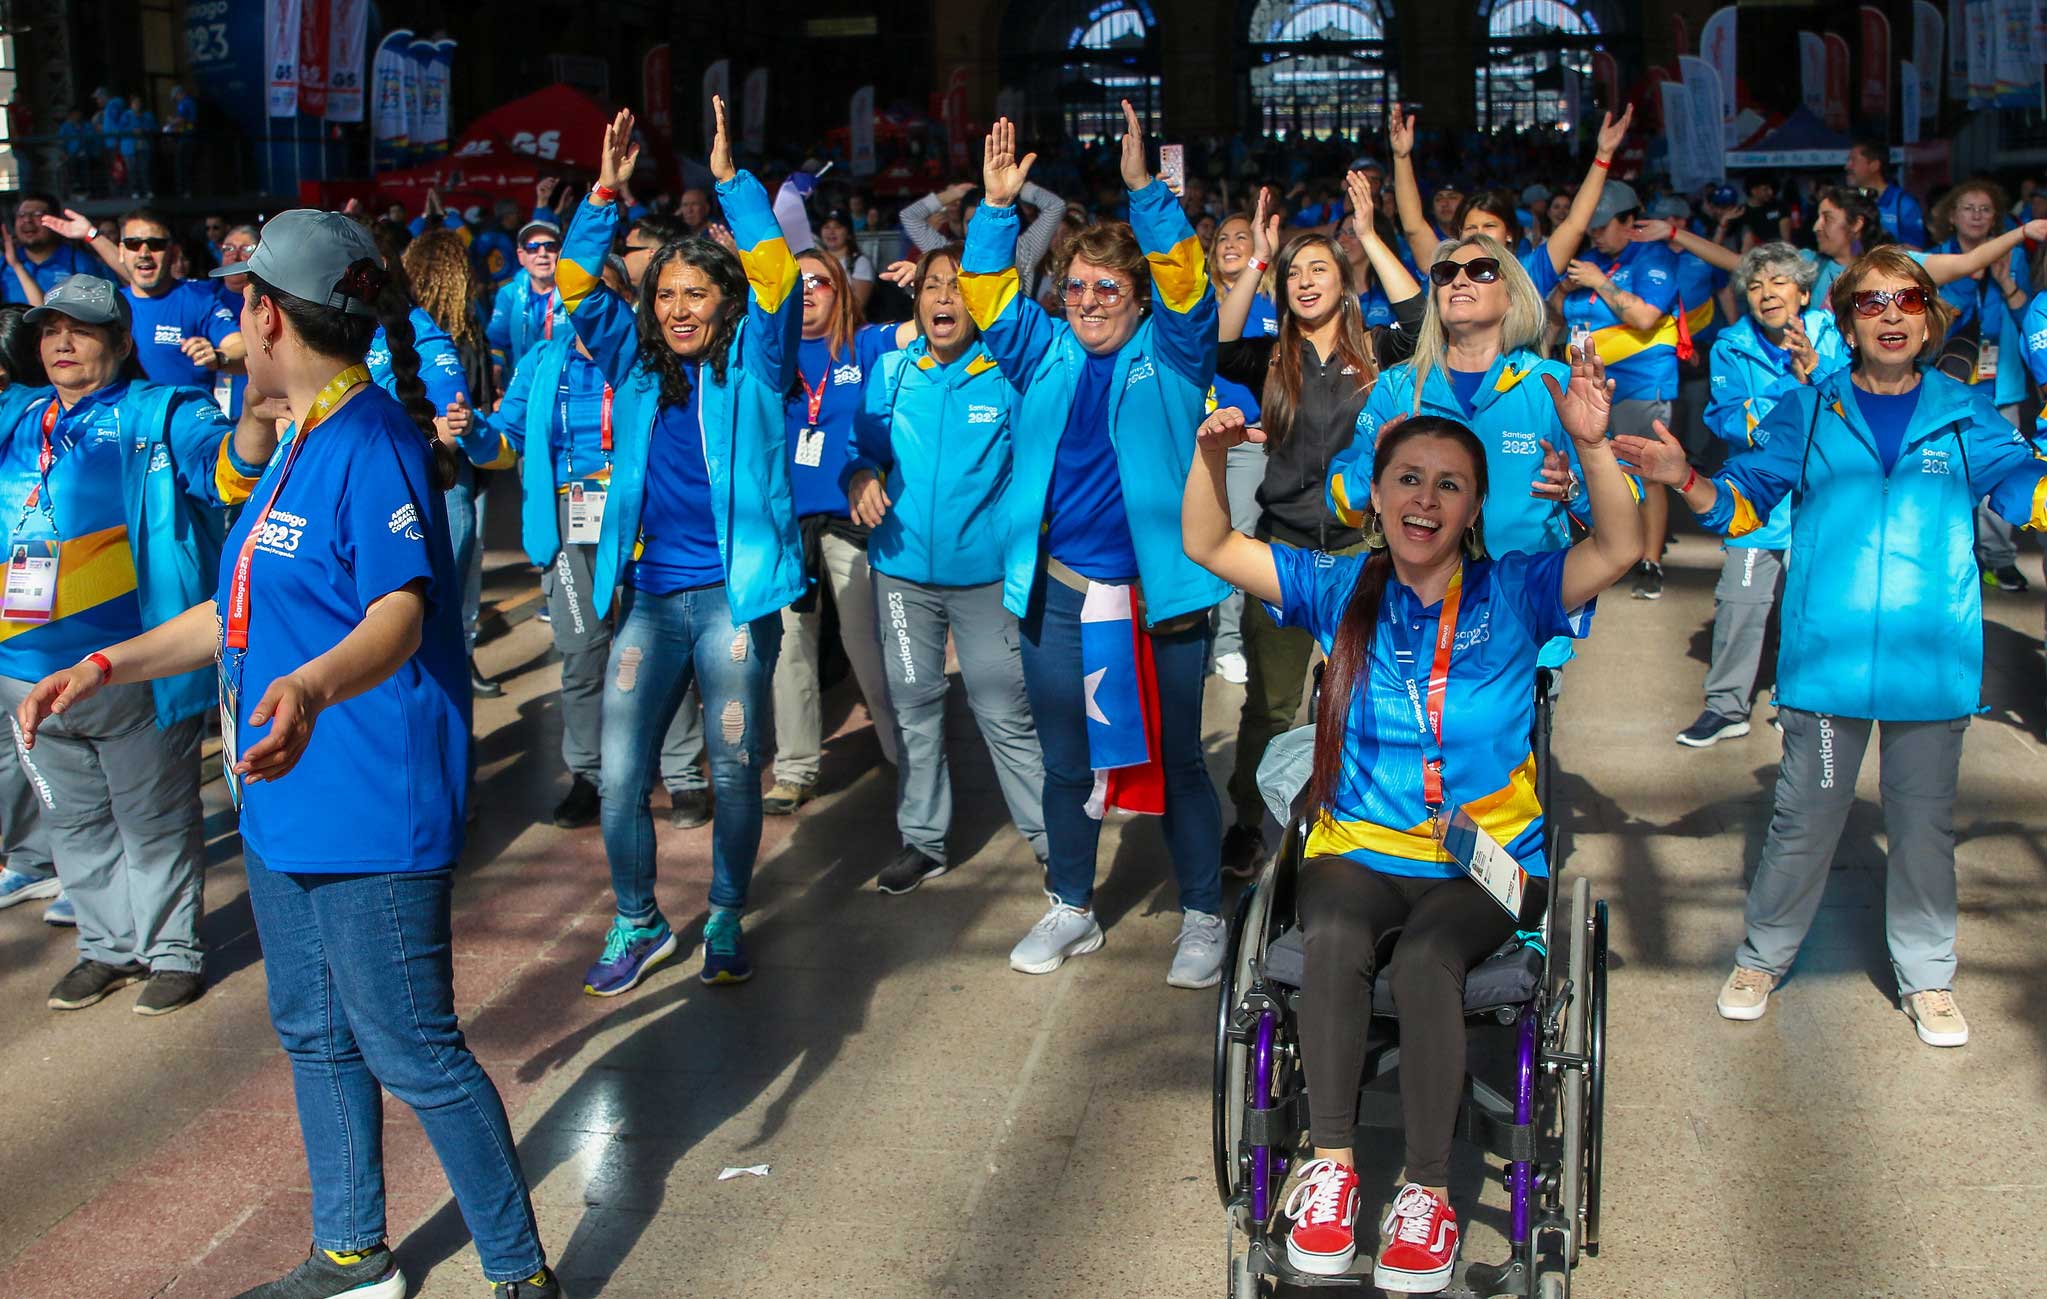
1616	198
87	299
315	255
544	227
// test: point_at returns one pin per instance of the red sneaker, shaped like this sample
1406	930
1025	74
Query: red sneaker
1420	1247
1324	1207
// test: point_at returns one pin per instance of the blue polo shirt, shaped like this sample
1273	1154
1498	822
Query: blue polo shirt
679	535
382	785
65	260
192	309
1086	526
1508	609
1641	363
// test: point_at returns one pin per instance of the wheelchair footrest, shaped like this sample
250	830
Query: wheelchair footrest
1269	1259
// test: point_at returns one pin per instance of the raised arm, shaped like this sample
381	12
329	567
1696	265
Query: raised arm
600	318
916	218
1569	236
774	307
1739	499
1397	282
1038	237
1182	299
1205	532
1407	194
1682	240
1235	309
1016	329
1944	267
1615	545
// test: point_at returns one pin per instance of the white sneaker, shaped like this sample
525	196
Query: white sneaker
1937	1018
1198	962
1065	931
1232	668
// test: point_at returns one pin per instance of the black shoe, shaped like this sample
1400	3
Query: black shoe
90	981
167	990
1648	581
689	808
1243	850
909	869
480	685
2005	577
543	1286
579	807
1710	729
374	1275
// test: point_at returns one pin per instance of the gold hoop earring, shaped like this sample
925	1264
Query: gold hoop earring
1374	532
1474	544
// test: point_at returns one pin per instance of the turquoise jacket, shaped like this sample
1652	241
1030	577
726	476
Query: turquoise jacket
744	447
940	437
1157	398
1882	612
1981	303
1749	379
520	424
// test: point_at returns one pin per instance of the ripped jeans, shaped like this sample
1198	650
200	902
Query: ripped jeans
663	643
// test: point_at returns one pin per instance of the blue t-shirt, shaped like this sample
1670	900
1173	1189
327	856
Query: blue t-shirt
817	459
1263	320
440	364
576	405
382	785
1888	416
1540	269
1642	364
97	604
1465	384
66	259
678	533
1086	527
191	309
1508	609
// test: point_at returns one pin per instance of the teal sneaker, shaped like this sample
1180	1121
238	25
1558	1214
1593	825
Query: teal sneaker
724	949
630	954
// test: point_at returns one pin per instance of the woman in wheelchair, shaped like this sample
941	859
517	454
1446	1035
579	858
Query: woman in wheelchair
1425	713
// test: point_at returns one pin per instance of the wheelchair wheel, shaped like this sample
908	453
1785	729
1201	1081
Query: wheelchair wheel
1571	1079
1595	1119
1231	1086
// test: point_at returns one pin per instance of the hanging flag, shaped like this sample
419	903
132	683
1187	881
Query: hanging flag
434	111
389	128
1717	46
1908	100
1875	97
1957	49
1812	73
657	92
1837	81
418	53
1708	137
717	85
2016	58
313	57
860	131
348	35
753	112
1982	73
281	56
1928	31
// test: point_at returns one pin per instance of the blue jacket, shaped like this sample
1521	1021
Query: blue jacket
518	323
1980	303
1748	382
940	436
1156	402
525	429
744	448
1882	612
2033	329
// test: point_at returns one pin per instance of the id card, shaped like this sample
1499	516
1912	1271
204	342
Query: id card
230	745
586	514
810	447
1486	861
1581	339
1173	168
1986	362
31	592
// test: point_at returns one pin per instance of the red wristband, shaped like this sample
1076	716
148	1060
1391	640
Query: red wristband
1602	164
603	193
1690	479
99	661
1257	266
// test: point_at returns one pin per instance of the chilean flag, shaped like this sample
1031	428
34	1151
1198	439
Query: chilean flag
1122	695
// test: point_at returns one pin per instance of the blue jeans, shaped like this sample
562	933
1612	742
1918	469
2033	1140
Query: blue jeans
465	535
362	996
1193	820
663	643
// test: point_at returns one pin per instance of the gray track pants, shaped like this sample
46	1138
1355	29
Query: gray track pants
1815	788
914	621
1241	479
799	704
24	834
121	799
1741	613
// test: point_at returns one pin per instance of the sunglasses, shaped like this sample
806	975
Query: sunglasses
812	282
543	246
1870	303
136	244
1479	270
1107	292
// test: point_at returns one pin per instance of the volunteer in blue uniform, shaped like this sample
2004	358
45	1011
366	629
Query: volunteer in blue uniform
26	871
1882	630
528	307
344	729
42	233
699	529
236	245
1230	256
1110	397
1427	612
1780	345
833	359
1903	219
111	489
183	334
929	472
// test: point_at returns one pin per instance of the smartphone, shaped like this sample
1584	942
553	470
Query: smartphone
1173	167
1581	339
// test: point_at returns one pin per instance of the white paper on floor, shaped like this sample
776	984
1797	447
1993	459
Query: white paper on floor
754	1170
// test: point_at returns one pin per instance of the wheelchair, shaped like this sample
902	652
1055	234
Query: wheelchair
1545	1018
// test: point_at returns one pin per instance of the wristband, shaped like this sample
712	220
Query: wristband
92	235
1258	266
106	668
1690	479
603	193
1603	164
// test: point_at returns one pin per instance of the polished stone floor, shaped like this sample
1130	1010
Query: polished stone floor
935	1125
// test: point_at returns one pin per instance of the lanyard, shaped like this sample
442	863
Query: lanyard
546	320
1428	707
46	460
569	438
815	396
235	632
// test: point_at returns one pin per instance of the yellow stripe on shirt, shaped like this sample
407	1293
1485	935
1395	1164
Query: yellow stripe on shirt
91	570
1617	343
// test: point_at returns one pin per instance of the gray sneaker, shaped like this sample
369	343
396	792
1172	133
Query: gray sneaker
372	1274
1198	960
1065	931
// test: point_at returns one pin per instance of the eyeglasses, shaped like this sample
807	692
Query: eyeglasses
237	252
1870	303
812	282
543	246
136	244
1976	209
1107	292
1479	270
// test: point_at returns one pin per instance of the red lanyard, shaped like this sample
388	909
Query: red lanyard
604	422
547	321
235	634
815	396
47	460
1430	713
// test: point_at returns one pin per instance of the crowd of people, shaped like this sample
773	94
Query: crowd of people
1105	449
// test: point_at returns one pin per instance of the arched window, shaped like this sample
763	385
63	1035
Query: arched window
1538	61
1319	66
1109	58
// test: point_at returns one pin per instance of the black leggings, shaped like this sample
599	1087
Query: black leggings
1446	927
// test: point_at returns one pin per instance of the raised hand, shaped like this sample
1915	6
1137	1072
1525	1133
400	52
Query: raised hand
1586	405
1264	228
1224	428
721	144
1400	134
543	193
1655	230
1612	134
615	162
1804	357
1553	481
867	500
2036	230
902	274
1002	172
1660	459
13	254
1136	171
721	234
76	225
1362	208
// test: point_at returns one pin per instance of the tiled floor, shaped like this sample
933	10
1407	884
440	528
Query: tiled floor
938	1126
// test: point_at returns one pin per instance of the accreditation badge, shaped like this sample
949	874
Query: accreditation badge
1486	861
1986	361
31	590
810	447
586	514
230	743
